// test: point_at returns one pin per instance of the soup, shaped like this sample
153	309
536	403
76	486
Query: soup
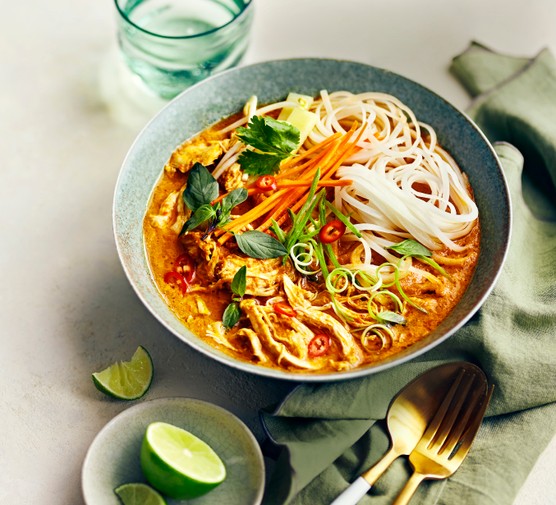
314	234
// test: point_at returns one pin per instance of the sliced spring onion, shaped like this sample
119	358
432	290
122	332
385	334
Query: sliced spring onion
344	219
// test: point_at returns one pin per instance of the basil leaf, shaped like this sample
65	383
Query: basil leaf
257	244
232	314
200	216
239	282
232	199
387	316
410	248
255	163
270	135
201	188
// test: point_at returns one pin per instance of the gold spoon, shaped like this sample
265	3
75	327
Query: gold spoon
409	414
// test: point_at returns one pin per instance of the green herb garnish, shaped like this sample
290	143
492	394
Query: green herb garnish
198	195
257	244
239	282
272	141
232	313
344	219
412	248
300	220
201	188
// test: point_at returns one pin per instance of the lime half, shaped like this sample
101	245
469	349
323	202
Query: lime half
179	464
127	380
138	494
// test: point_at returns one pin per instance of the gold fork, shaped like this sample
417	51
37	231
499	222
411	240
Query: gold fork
449	436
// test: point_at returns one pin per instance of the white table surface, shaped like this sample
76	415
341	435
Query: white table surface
66	307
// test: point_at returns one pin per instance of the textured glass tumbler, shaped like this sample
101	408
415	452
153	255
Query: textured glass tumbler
172	44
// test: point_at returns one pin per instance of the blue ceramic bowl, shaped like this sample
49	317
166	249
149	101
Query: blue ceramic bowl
226	93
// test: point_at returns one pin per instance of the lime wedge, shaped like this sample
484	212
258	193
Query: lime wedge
126	380
138	494
179	464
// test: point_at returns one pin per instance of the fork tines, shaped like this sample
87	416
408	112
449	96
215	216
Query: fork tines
451	420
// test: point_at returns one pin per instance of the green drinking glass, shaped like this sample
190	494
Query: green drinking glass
172	44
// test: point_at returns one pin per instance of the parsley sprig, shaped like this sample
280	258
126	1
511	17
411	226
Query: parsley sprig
271	141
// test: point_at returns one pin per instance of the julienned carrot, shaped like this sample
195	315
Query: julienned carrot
338	149
255	212
282	207
330	183
296	199
294	195
294	161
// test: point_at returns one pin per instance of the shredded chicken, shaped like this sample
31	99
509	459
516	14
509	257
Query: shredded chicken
205	251
198	150
300	302
267	330
232	177
217	332
255	342
264	277
167	212
172	212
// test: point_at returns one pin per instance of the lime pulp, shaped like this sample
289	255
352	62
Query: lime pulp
178	463
126	380
138	494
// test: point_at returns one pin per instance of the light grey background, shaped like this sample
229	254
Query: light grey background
68	114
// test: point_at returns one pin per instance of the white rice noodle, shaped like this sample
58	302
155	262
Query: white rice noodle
259	112
404	184
228	159
386	197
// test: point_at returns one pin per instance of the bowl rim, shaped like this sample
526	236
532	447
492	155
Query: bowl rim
415	350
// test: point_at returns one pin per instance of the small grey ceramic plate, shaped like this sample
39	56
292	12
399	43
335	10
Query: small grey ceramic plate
113	457
226	93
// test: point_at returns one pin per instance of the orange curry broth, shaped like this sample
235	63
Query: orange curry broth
198	309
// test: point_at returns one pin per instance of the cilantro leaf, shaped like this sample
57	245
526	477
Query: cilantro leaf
255	163
270	135
271	142
201	188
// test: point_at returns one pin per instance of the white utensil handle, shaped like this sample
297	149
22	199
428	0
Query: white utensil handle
357	489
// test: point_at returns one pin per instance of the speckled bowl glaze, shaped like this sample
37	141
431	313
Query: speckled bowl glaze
207	102
113	457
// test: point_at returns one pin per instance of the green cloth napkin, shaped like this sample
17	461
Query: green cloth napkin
327	434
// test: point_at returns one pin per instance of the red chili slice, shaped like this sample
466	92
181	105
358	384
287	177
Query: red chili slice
266	183
178	279
332	231
284	309
186	267
319	345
